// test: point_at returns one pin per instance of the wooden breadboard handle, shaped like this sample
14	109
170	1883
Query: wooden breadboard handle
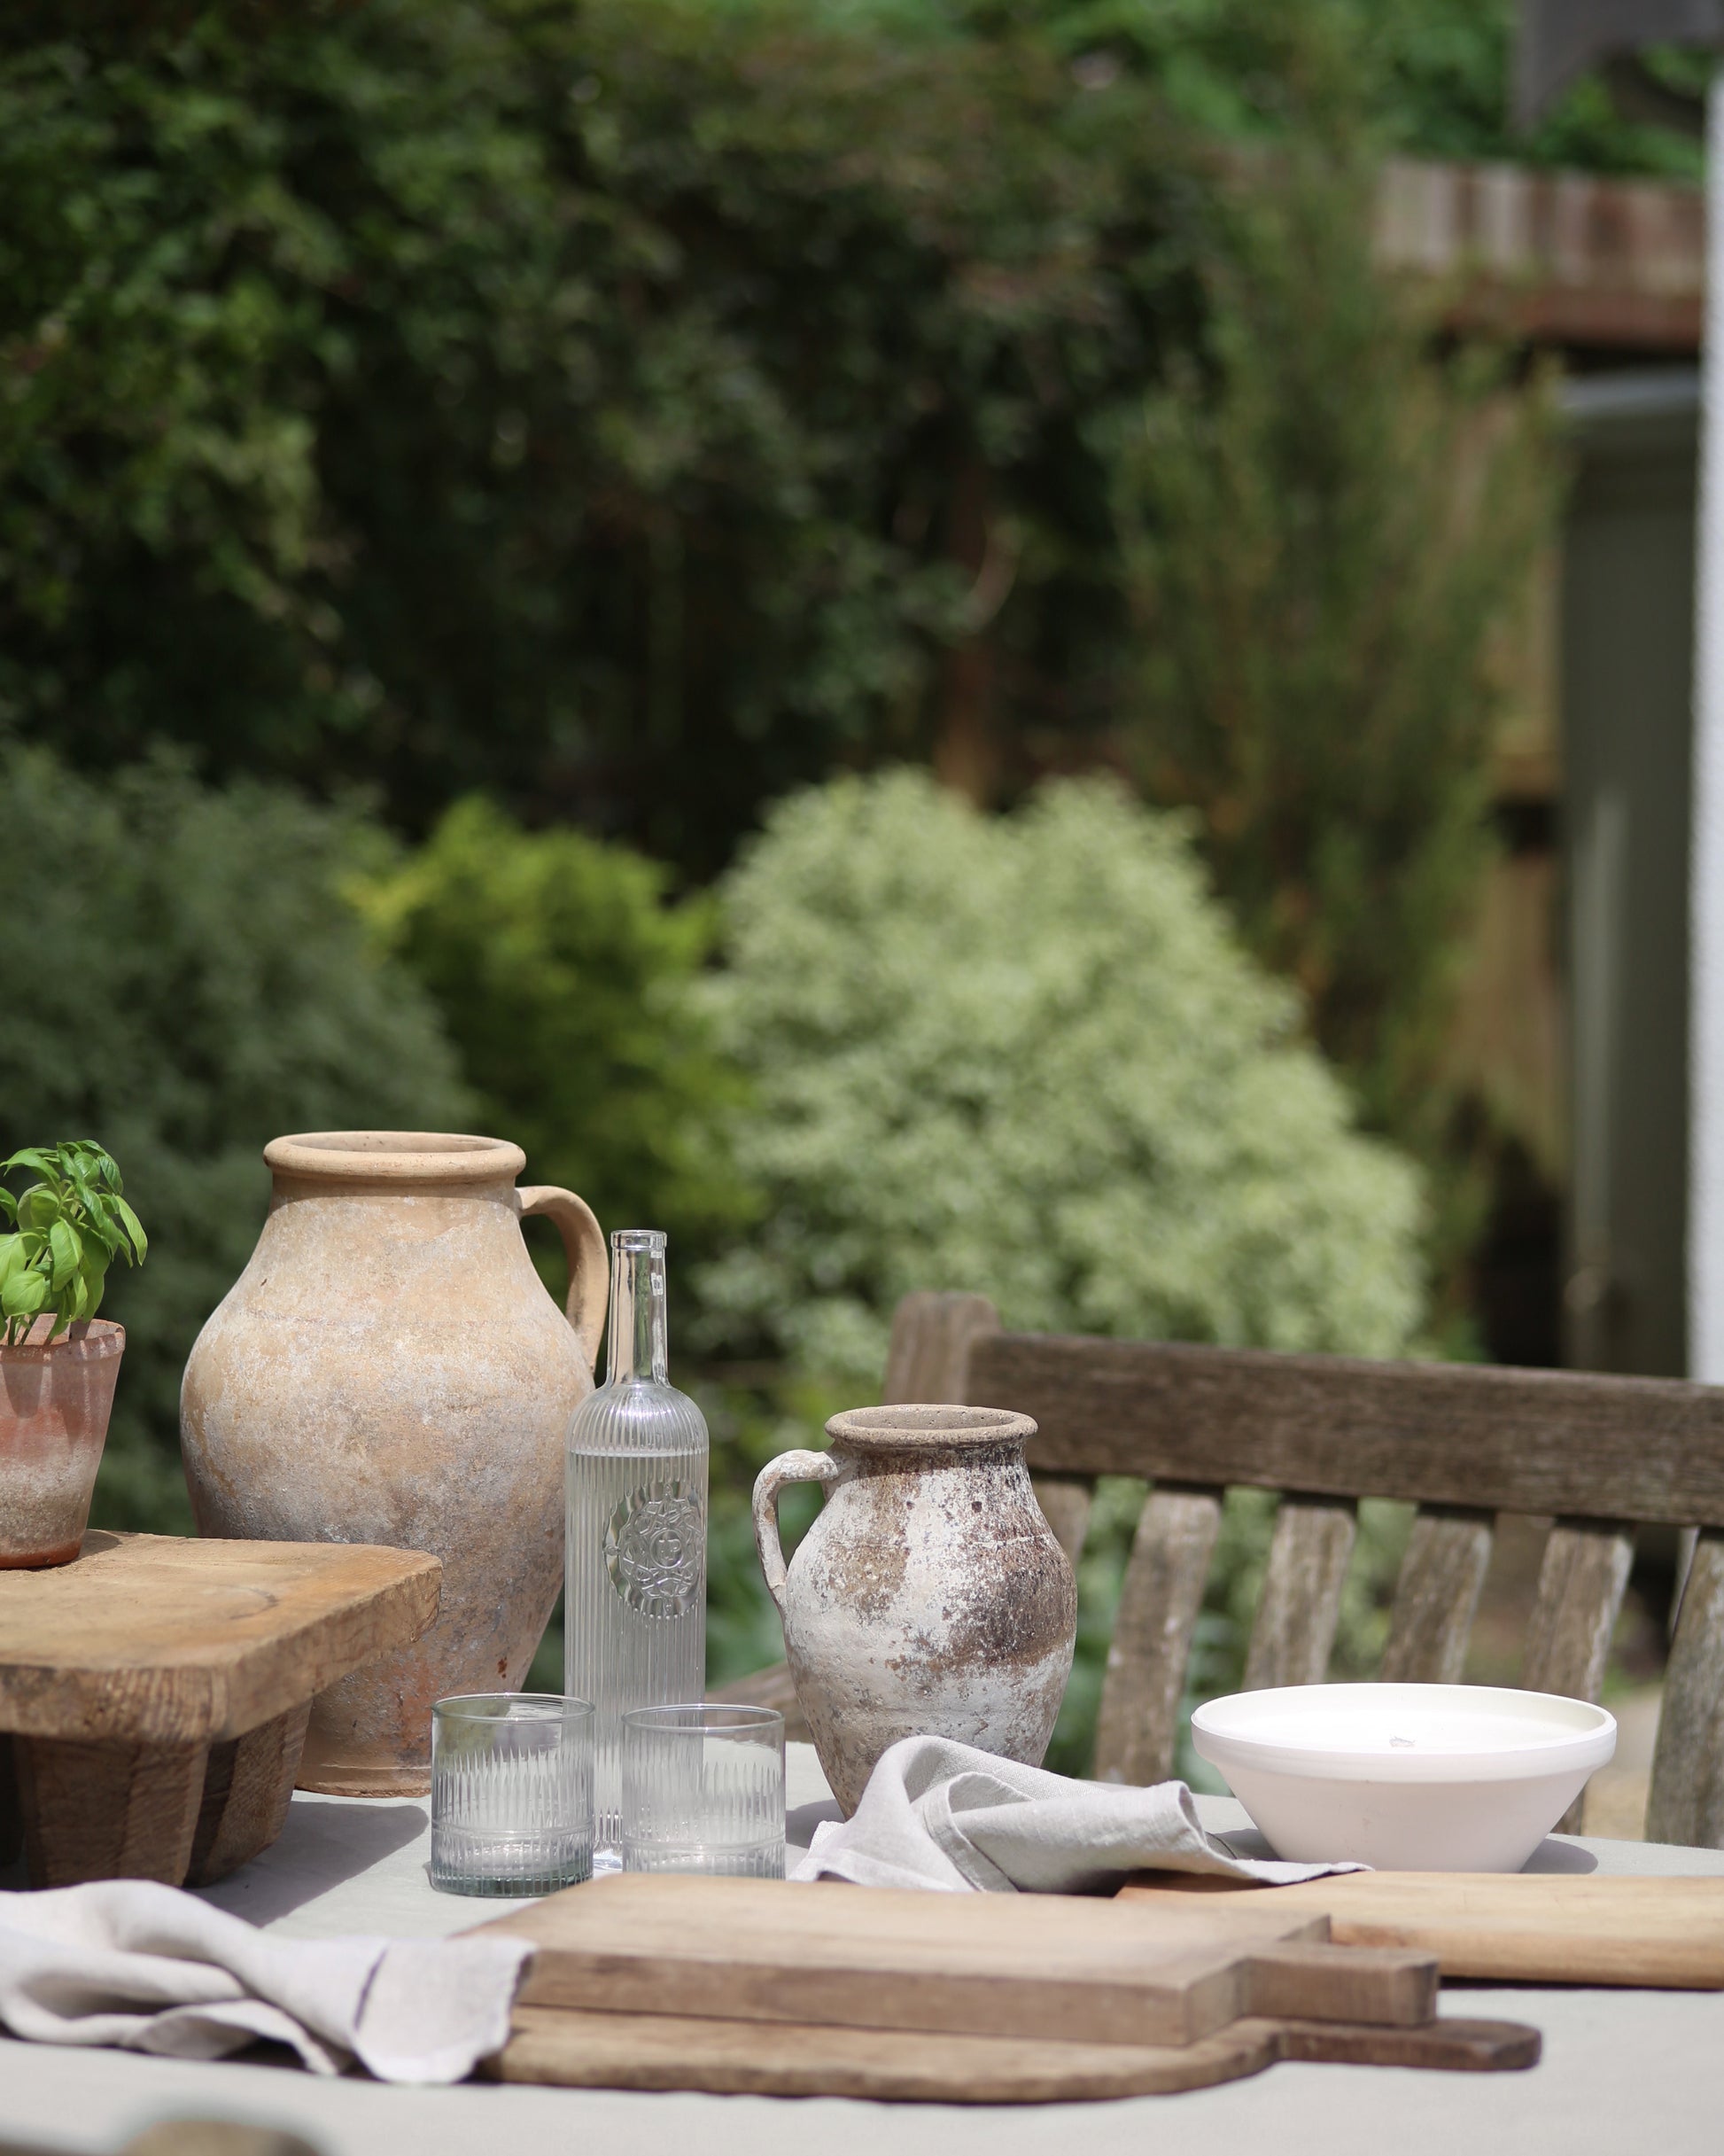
1450	2047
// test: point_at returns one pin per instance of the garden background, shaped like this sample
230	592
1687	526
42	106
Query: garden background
865	625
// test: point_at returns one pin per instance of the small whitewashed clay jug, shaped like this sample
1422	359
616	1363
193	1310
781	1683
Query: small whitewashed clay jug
928	1597
388	1368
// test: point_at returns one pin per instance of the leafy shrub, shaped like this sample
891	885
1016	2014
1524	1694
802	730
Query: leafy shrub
192	982
1329	522
564	979
1027	1056
573	402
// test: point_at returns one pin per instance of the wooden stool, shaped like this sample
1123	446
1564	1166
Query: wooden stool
154	1693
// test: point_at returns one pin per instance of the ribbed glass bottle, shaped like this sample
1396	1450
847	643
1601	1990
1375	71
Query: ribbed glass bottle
634	1600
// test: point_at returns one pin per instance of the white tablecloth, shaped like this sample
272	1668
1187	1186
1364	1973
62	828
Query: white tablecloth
1622	2070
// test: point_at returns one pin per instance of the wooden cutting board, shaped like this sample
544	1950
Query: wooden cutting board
728	1984
154	1693
1522	1927
615	2050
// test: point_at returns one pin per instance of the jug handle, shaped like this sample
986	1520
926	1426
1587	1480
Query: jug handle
583	1245
826	1468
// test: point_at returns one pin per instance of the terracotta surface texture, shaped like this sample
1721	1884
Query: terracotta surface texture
389	1369
55	1400
930	1595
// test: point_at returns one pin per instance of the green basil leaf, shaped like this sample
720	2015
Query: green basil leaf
36	1208
68	1249
134	1227
23	1293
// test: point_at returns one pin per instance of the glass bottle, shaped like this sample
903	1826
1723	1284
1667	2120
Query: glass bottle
634	1577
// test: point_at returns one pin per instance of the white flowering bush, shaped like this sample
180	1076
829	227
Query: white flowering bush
1027	1055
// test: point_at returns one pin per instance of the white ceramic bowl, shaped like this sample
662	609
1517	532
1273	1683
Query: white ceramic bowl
1409	1778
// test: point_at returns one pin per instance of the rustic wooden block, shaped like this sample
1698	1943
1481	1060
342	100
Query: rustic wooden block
154	1693
248	1785
108	1810
170	1638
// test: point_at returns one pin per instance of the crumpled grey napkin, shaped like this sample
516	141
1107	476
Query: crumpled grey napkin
942	1815
129	1963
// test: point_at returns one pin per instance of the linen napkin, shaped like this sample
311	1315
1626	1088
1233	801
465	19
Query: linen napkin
942	1815
145	1967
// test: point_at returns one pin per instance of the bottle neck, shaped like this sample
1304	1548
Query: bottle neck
637	1330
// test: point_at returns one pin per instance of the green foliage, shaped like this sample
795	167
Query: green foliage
564	980
1434	75
68	1226
606	407
1332	523
1026	1056
198	986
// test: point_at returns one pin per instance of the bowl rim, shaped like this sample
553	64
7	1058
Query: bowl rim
1567	1751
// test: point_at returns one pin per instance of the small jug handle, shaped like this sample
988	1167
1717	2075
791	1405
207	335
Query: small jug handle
826	1468
583	1245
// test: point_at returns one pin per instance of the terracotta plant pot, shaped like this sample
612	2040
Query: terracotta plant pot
389	1369
55	1400
928	1597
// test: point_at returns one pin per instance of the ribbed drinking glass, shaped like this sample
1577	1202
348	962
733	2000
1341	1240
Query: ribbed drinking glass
511	1792
635	1599
704	1790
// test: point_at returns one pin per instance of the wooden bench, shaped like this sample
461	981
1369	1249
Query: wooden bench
1601	1455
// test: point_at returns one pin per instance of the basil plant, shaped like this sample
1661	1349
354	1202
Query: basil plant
66	1229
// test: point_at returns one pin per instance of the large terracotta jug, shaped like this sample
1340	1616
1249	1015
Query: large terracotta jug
929	1596
388	1368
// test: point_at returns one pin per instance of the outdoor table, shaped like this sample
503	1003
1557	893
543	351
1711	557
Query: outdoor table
1621	2069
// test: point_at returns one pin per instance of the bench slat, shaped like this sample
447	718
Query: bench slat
1580	1583
928	1358
1436	1596
1160	1599
1065	1501
1301	1603
1686	1802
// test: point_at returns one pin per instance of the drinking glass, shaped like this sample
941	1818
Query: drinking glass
511	1792
704	1790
